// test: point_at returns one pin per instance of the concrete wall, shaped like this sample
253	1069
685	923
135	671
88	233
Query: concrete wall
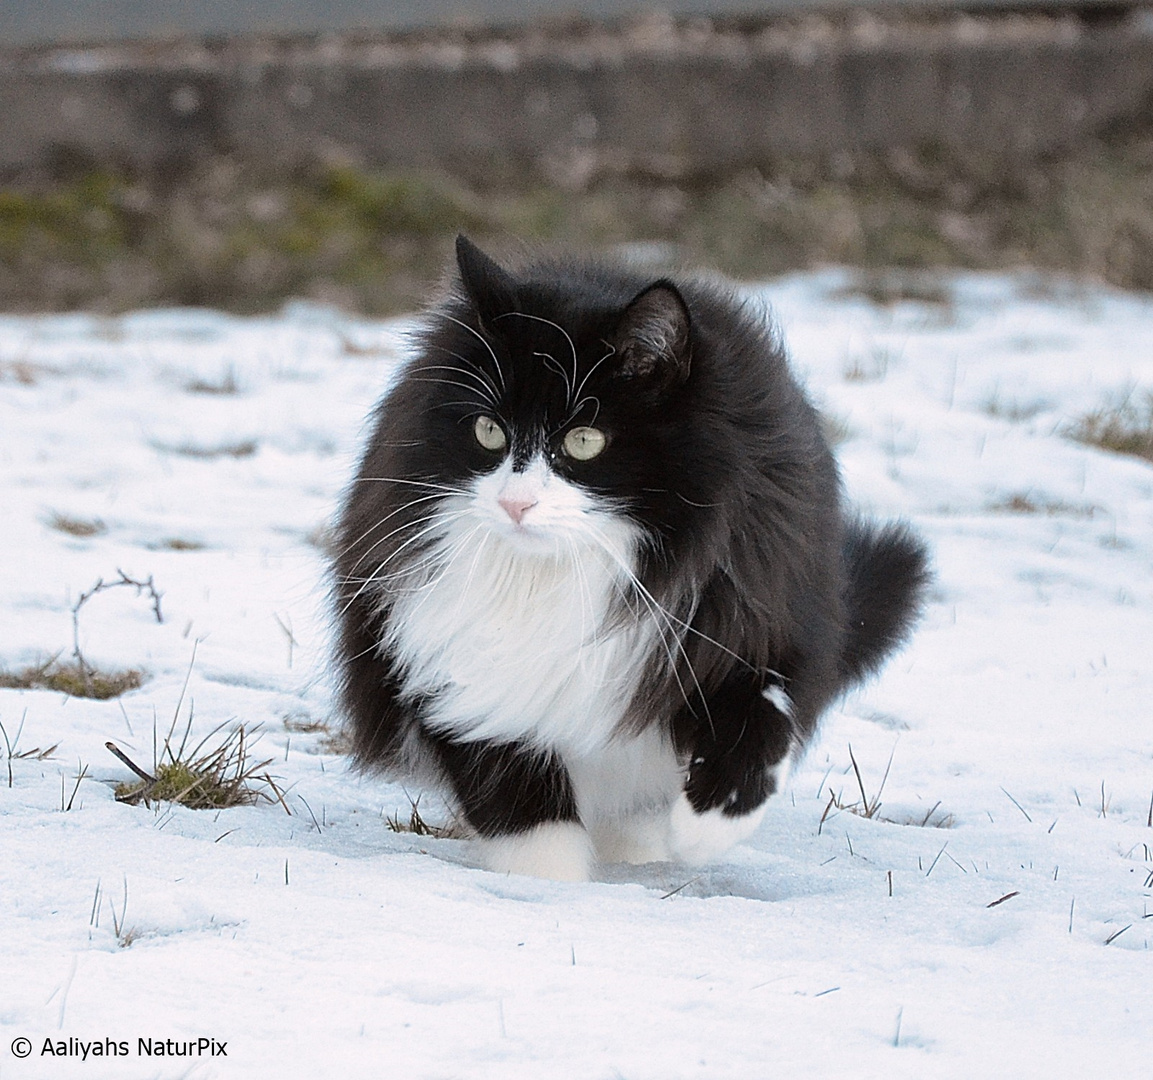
29	22
666	103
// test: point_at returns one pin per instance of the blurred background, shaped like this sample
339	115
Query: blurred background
237	153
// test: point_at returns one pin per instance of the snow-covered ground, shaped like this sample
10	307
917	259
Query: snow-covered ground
993	918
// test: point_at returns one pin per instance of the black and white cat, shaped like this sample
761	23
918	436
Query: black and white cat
594	576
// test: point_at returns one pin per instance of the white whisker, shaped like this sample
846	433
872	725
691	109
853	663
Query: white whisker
364	556
372	528
453	382
438	522
481	338
658	610
474	366
589	374
488	391
549	322
415	483
554	367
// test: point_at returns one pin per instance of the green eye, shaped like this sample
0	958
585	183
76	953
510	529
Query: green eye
584	443
489	433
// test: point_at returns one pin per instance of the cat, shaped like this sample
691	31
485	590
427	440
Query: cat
594	577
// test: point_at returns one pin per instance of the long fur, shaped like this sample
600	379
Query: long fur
675	612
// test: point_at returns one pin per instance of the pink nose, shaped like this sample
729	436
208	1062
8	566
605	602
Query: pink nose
516	506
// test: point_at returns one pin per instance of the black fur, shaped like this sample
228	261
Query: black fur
714	451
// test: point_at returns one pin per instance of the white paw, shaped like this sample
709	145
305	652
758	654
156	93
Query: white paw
698	839
560	850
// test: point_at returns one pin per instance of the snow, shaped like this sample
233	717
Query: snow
991	919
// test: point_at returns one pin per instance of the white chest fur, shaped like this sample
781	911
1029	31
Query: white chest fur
510	634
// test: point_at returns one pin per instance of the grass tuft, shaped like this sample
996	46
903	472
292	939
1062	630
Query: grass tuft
872	368
1123	428
1011	409
869	806
79	527
417	826
1024	502
73	679
330	742
225	386
203	778
176	543
242	448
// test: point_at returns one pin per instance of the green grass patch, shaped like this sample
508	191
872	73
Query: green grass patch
204	777
227	235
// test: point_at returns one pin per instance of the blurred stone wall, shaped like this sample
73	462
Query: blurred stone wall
655	97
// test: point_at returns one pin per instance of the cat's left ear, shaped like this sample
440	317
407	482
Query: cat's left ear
652	337
491	289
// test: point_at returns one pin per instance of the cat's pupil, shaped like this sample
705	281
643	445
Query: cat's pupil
584	443
489	433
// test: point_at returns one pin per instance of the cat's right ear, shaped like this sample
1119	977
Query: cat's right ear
491	289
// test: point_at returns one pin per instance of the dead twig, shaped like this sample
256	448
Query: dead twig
86	669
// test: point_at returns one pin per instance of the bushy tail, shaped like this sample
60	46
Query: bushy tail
886	575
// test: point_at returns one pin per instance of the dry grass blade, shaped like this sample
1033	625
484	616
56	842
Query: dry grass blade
679	888
1116	934
37	753
860	784
1020	807
81	776
866	808
1002	899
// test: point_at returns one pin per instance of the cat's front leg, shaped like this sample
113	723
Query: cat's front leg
739	756
520	803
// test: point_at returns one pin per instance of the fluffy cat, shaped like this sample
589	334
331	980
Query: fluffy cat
594	575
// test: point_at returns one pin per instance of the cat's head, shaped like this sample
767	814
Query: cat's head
556	400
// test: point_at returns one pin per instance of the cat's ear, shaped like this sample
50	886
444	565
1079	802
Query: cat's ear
652	337
491	289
